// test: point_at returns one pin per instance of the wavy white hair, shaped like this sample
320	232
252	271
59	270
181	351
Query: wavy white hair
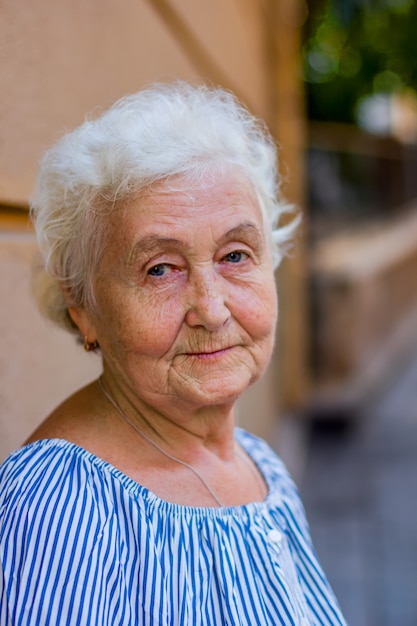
157	133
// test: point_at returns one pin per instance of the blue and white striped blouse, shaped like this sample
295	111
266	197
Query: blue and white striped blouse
82	544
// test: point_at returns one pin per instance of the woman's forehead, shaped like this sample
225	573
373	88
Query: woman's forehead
183	199
187	215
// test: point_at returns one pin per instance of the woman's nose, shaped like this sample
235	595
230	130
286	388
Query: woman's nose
206	302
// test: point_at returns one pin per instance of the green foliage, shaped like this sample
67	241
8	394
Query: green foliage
356	48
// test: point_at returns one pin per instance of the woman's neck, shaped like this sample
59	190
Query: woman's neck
188	431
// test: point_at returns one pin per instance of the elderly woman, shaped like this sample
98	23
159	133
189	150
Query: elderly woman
138	501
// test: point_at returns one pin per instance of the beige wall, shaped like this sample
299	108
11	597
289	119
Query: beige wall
59	60
39	364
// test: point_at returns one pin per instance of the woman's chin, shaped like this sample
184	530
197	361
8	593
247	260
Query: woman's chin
215	390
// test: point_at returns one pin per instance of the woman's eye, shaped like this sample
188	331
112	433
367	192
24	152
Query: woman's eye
235	257
159	270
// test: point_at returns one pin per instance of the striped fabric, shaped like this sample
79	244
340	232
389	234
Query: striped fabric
83	544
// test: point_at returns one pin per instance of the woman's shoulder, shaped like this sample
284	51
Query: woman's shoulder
262	454
78	418
46	473
283	491
36	465
34	458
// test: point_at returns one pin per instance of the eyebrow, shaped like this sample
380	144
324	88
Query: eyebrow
246	231
153	243
150	244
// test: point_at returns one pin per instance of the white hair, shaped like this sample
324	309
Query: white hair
157	133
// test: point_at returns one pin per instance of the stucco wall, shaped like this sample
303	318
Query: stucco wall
39	364
60	60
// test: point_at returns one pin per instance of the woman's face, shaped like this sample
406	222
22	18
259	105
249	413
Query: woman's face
186	294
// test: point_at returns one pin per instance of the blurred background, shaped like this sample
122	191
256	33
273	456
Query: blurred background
336	82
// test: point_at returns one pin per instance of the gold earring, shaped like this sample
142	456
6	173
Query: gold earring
90	346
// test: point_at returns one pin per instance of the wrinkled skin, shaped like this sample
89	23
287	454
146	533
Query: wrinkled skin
186	298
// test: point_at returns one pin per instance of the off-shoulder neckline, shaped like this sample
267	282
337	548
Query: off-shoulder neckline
136	490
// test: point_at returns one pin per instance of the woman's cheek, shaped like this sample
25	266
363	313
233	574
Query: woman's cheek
154	326
261	309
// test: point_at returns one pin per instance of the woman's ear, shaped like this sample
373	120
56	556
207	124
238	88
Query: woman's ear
83	322
80	318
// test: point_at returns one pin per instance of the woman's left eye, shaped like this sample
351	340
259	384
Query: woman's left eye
159	270
237	256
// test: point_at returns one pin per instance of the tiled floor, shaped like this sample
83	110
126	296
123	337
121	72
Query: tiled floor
360	492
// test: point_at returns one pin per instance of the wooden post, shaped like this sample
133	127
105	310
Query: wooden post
286	121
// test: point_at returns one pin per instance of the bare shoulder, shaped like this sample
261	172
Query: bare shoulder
77	419
85	419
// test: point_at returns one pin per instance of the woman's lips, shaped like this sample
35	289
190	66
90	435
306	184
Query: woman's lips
209	354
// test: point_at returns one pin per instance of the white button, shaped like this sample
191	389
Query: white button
275	536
